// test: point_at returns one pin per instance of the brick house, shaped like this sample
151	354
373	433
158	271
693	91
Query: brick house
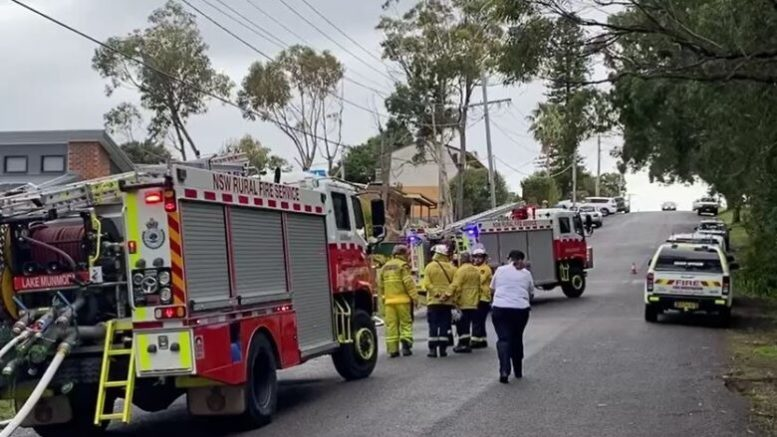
57	157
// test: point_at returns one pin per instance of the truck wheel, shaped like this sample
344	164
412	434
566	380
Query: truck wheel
83	400
651	314
357	360
576	285
261	390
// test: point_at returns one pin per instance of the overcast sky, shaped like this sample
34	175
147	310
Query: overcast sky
47	81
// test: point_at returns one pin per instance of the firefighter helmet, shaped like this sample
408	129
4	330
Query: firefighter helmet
441	249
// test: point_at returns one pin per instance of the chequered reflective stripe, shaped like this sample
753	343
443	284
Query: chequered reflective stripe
176	258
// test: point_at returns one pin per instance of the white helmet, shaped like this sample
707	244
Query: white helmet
441	249
479	252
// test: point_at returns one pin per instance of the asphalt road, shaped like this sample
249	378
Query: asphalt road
594	367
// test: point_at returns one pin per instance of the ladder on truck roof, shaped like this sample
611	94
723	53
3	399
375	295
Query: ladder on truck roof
494	212
71	197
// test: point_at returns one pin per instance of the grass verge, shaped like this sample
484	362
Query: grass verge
752	342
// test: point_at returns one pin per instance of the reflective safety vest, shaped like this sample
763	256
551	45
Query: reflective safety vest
395	282
466	286
485	282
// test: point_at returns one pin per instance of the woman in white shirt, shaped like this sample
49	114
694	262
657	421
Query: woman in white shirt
512	285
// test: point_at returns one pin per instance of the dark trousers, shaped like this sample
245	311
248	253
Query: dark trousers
509	324
464	326
439	318
479	336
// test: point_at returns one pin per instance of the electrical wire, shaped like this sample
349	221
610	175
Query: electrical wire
341	32
170	76
266	56
268	36
511	135
327	36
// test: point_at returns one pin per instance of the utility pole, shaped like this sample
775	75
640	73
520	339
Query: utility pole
491	178
574	177
598	163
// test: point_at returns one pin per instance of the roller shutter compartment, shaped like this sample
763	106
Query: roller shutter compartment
205	254
257	245
311	295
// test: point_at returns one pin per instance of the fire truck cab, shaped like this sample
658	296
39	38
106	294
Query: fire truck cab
189	282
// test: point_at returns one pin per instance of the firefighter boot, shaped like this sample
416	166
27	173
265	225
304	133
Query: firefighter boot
407	348
432	352
443	350
462	347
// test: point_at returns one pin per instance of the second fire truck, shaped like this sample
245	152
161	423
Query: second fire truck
151	286
552	239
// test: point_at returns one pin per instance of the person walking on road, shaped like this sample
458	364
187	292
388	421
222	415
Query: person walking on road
397	291
512	285
438	275
479	337
466	288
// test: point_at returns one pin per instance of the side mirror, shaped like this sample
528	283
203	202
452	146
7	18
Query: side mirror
733	266
378	218
695	228
730	258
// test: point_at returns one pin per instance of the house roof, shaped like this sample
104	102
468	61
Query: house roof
119	158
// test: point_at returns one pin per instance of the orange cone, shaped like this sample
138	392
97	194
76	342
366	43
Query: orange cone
633	268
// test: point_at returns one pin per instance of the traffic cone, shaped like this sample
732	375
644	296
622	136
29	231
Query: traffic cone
633	268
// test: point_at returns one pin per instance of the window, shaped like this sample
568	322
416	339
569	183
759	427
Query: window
683	260
340	205
358	214
52	164
16	164
564	226
579	225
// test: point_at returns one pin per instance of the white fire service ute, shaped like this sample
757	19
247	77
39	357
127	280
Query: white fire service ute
182	281
689	277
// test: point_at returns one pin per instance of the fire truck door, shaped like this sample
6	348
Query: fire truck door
311	294
543	267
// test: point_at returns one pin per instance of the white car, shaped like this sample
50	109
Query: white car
700	239
689	278
607	205
589	210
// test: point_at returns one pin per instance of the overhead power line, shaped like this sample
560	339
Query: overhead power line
511	136
341	32
337	43
170	76
266	56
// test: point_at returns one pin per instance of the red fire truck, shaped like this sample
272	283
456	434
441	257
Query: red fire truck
149	286
552	239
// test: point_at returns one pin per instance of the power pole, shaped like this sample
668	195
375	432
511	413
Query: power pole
491	178
598	162
574	177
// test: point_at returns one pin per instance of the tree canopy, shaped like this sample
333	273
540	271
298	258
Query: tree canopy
477	197
174	46
259	157
298	92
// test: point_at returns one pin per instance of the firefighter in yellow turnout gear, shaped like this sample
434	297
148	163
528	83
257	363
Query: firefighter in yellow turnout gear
479	338
397	291
440	299
466	288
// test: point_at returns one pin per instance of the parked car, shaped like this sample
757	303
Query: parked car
706	205
607	205
689	278
624	205
589	210
668	206
714	227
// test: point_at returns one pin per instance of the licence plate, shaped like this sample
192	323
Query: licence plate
687	305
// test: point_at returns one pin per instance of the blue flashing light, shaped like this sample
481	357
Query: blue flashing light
471	231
